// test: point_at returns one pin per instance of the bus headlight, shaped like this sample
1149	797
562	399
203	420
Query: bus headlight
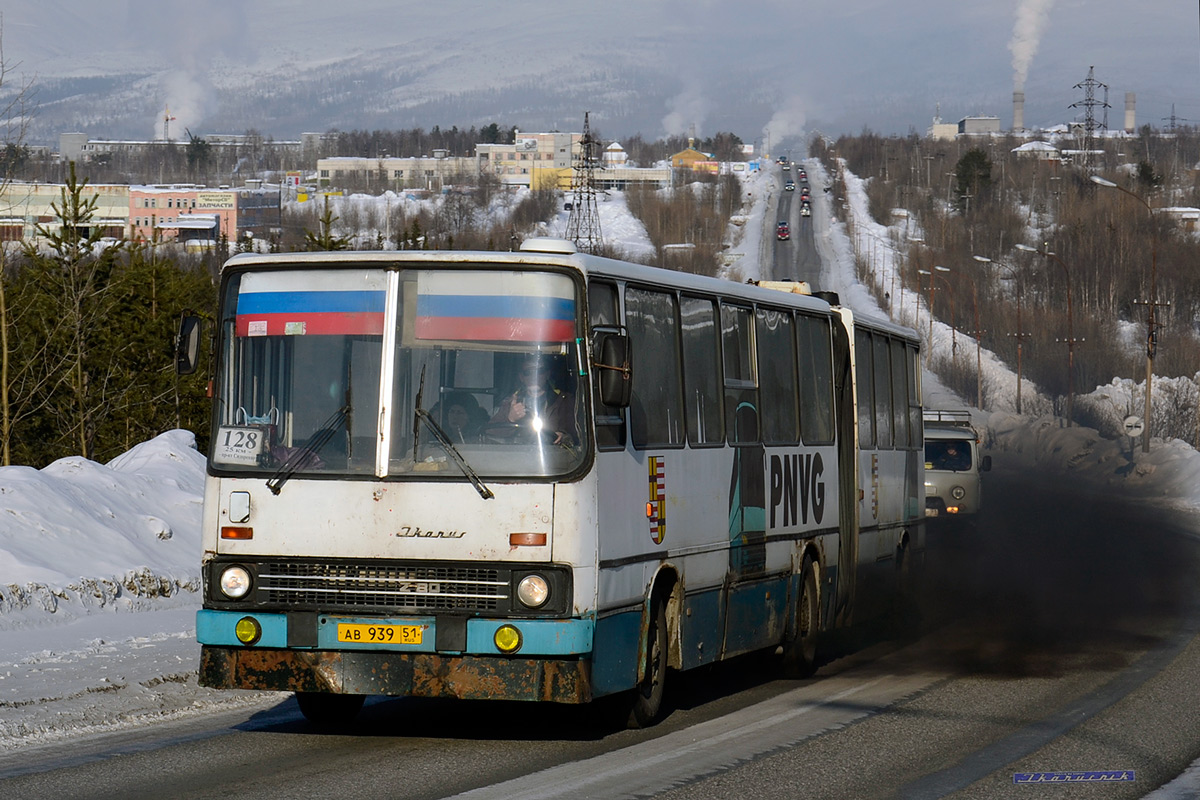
235	582
958	493
533	591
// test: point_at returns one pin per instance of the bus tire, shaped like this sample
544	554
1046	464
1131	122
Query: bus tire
647	702
800	651
329	710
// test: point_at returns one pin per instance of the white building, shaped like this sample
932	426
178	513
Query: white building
424	172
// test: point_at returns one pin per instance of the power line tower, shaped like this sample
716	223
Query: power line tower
583	224
1089	104
1172	121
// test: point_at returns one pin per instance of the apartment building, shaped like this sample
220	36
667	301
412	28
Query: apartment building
181	212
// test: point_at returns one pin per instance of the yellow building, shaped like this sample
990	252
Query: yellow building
689	158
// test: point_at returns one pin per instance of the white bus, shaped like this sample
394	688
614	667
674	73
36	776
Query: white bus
541	475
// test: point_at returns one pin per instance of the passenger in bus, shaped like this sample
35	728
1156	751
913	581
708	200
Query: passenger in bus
461	416
536	408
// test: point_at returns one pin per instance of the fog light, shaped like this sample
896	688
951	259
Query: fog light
507	639
247	630
951	509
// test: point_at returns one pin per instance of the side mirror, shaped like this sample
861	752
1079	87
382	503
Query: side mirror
986	466
187	344
613	370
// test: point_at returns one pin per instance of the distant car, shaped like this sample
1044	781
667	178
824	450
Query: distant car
803	175
787	166
804	194
790	186
805	210
783	232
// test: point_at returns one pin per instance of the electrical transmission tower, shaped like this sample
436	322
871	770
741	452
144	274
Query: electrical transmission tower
1172	121
583	225
1089	104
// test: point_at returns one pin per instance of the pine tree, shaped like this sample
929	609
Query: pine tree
75	272
324	239
149	298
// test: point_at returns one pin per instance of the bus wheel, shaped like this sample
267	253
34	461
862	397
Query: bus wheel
329	710
648	696
800	652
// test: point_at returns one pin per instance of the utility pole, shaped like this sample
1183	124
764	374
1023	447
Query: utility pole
1152	324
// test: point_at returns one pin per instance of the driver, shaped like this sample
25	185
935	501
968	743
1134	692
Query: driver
536	407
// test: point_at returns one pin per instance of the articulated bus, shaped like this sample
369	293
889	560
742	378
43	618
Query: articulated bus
541	475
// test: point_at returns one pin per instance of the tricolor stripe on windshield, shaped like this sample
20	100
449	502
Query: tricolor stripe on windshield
315	303
495	306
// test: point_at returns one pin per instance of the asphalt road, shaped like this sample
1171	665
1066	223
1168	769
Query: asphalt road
795	258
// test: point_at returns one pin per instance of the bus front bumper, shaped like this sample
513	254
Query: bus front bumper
465	677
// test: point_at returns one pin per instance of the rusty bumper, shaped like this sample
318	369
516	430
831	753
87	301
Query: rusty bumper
400	674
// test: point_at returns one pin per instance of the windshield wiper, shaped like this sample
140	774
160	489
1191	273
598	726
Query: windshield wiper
444	440
302	457
416	417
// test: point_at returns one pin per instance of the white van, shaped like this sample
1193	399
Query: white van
954	465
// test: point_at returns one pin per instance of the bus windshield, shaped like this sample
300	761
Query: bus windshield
484	361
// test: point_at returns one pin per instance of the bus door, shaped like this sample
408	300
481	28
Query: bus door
847	422
747	501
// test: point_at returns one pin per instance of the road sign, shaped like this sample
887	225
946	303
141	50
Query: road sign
1133	427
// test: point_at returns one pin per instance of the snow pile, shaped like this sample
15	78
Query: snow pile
78	536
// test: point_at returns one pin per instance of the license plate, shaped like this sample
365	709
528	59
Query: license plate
931	512
379	634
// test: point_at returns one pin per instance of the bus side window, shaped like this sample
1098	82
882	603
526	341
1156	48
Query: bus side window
816	380
610	421
864	378
900	396
741	379
777	376
701	372
916	420
883	392
656	415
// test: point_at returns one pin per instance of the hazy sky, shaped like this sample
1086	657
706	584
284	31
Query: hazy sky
750	67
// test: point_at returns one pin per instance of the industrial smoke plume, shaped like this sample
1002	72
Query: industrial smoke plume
1027	35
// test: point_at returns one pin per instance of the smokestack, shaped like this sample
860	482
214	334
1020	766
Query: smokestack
1018	111
1130	104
